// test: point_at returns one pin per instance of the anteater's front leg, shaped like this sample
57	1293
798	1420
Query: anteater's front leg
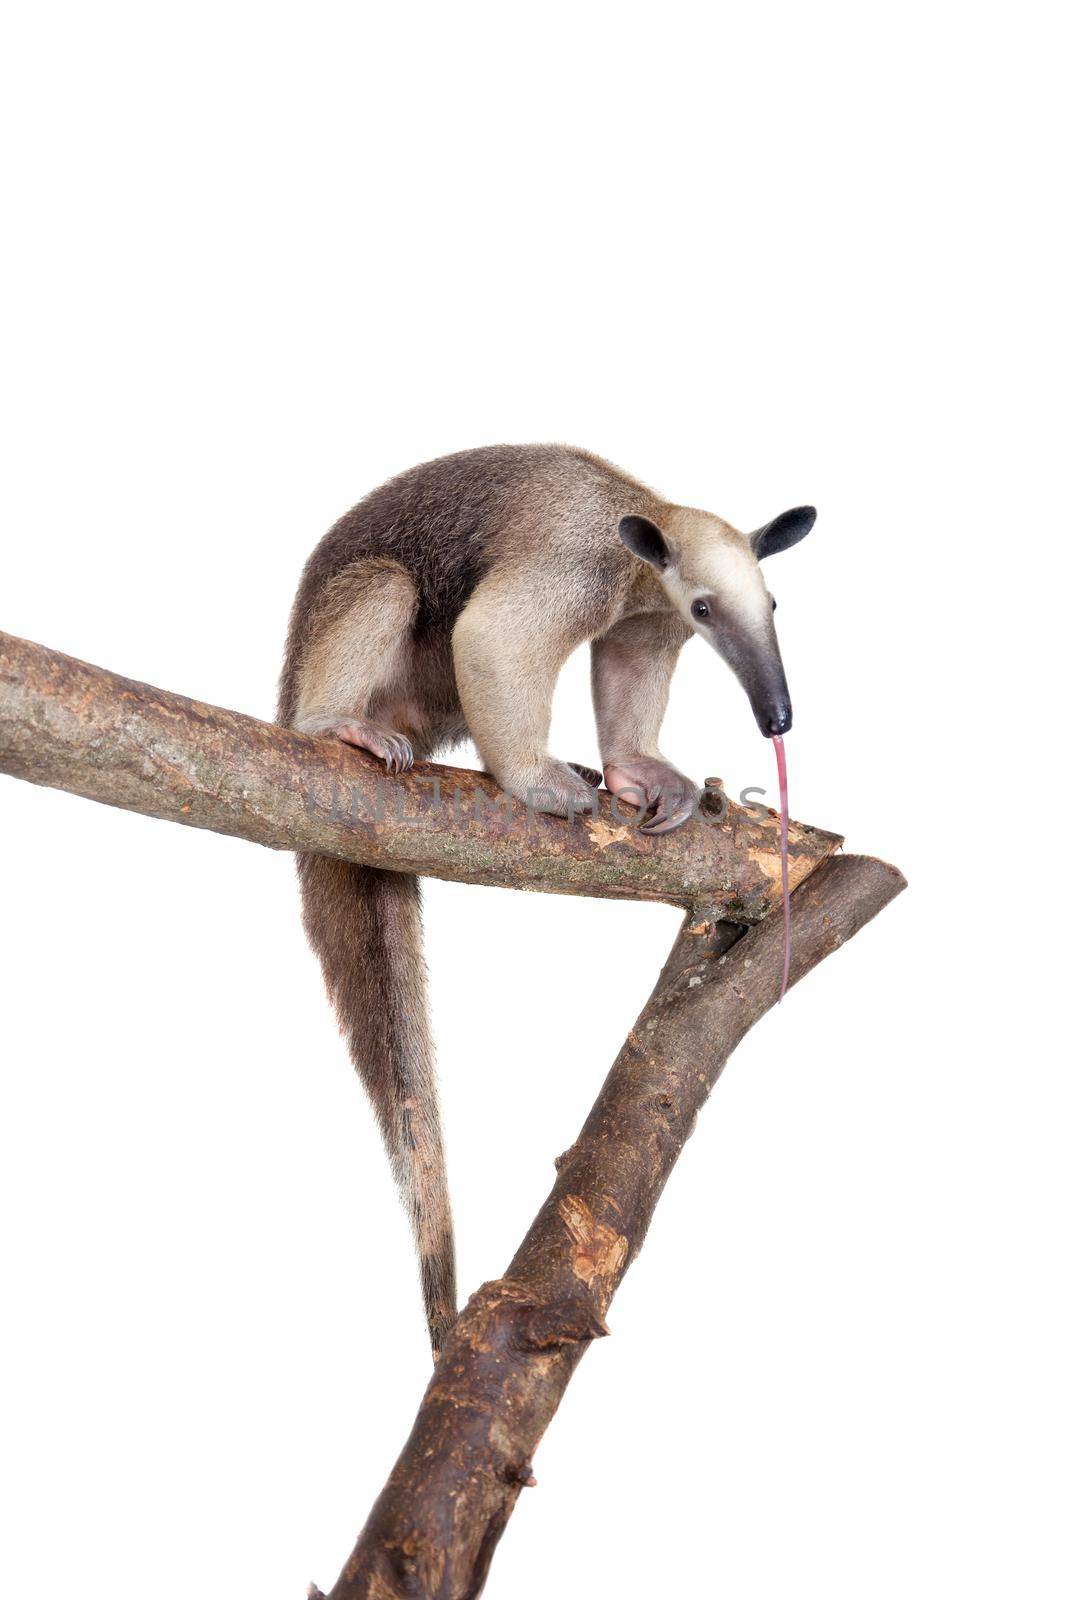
507	661
632	668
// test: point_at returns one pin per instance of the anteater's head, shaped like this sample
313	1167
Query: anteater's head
712	576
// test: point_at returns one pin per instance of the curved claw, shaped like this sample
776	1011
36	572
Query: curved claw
399	756
666	795
669	812
392	749
658	823
590	774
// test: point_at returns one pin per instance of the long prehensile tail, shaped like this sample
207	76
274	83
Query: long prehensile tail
365	926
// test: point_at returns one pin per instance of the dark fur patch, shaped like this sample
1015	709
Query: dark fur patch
436	520
646	541
440	521
783	531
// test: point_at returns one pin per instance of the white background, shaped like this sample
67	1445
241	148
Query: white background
258	258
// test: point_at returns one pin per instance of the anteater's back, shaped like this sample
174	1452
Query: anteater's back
443	520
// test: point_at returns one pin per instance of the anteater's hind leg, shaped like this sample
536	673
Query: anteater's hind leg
357	662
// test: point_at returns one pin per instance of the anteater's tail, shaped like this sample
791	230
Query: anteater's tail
365	926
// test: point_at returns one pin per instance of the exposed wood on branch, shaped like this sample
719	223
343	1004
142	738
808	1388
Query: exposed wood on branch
433	1529
77	727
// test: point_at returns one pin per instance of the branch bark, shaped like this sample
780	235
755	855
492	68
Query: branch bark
433	1530
77	727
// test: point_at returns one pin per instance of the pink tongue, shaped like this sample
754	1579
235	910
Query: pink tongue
783	815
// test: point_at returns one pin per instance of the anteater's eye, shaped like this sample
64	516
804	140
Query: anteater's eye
701	610
774	603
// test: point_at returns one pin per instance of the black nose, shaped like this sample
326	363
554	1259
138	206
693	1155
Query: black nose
779	720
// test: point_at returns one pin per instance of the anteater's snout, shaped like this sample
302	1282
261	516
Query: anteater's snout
778	719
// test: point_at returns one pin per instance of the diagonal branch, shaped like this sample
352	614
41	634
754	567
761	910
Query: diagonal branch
433	1530
77	727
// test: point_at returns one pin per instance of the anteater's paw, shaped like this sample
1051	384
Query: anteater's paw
552	787
385	743
666	796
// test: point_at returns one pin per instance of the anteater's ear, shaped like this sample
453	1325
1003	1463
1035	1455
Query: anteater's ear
646	541
784	531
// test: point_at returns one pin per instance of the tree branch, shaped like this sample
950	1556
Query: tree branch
77	727
433	1530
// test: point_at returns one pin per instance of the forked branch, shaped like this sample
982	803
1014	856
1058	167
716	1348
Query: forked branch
433	1529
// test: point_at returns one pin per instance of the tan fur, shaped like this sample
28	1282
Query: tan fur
359	645
506	669
633	663
713	555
